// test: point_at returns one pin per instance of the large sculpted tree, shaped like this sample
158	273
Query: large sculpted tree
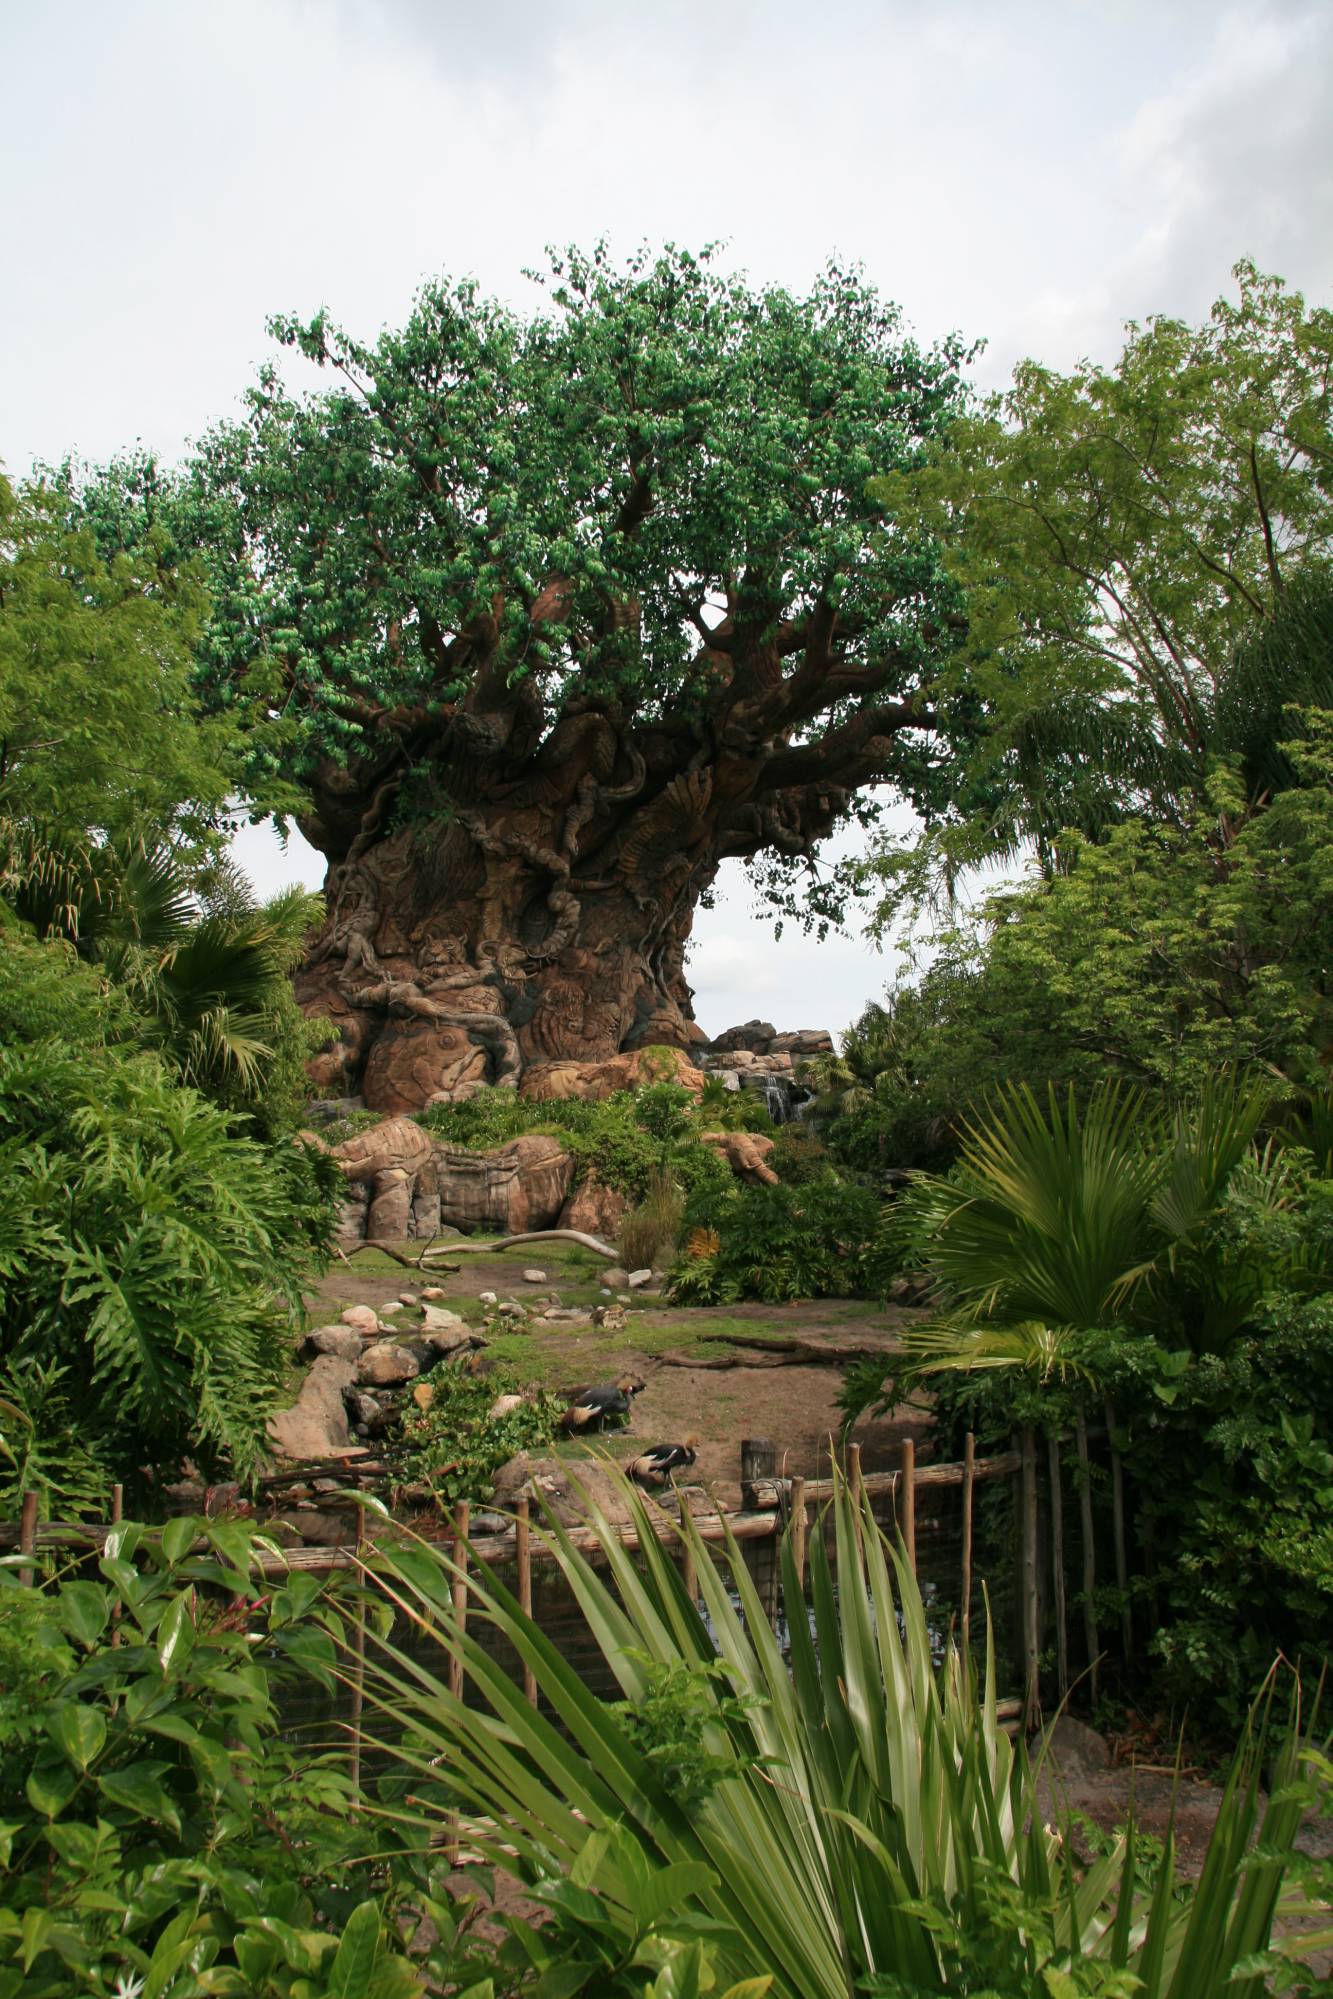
550	617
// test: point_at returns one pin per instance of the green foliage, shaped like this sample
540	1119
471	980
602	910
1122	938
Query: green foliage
100	729
157	1832
780	1243
1165	1265
1158	954
151	1257
873	1822
649	1233
799	1154
1125	538
455	1446
378	551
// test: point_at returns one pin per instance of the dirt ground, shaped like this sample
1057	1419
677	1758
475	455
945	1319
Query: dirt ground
707	1375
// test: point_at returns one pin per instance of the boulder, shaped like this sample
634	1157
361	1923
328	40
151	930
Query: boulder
363	1319
433	1293
804	1041
343	1342
595	1209
351	1227
638	1278
425	1215
547	1082
318	1528
752	1034
616	1278
397	1142
316	1424
487	1298
534	1276
1075	1749
365	1410
390	1217
519	1186
746	1153
388	1364
437	1319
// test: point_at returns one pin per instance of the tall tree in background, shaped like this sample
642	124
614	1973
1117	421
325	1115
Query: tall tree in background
552	617
1125	537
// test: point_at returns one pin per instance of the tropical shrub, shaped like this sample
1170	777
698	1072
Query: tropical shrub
151	1256
856	1821
455	1447
780	1243
650	1232
1166	1272
157	1830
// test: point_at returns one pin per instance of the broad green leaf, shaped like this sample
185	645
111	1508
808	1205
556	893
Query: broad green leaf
80	1731
139	1789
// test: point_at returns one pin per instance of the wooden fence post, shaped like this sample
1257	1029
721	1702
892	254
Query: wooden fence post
1028	1570
1058	1567
798	1536
759	1460
909	1501
523	1558
1090	1631
969	1463
358	1699
28	1535
1118	1528
462	1519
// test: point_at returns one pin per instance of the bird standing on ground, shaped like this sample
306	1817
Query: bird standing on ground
656	1466
593	1408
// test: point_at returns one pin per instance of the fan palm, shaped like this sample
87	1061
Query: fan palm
1059	1221
847	1821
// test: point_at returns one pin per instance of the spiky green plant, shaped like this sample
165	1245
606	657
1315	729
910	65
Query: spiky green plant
851	1816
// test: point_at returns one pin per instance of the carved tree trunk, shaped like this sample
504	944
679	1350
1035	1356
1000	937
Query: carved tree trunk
471	953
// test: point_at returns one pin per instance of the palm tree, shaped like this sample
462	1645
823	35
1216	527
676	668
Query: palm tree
1060	1224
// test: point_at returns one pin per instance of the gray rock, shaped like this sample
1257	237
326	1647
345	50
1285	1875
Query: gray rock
511	1309
365	1411
316	1424
390	1216
534	1276
363	1318
432	1294
638	1278
487	1298
344	1342
1074	1748
391	1305
409	1298
615	1279
320	1528
435	1319
388	1364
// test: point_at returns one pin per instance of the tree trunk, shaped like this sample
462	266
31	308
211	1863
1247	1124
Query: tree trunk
469	954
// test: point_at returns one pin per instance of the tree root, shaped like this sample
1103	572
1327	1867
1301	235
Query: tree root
591	1242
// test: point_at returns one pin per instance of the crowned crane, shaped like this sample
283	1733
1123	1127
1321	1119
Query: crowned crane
656	1466
610	1401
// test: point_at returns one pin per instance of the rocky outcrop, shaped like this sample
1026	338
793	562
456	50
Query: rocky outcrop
520	1186
396	1144
746	1153
593	1081
316	1424
596	1209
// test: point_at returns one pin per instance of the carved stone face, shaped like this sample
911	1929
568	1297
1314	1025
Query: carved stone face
577	1019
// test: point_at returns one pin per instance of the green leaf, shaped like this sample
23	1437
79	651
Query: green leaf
50	1786
179	1536
139	1789
83	1610
176	1632
358	1948
80	1731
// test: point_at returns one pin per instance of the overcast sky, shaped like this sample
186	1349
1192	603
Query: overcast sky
1035	173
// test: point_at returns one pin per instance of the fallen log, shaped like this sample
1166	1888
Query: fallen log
592	1242
792	1352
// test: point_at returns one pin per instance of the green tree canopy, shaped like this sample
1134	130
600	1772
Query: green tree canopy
1123	535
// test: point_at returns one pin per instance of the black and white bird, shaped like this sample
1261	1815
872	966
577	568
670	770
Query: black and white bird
593	1408
656	1467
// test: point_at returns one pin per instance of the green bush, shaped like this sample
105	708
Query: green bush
780	1243
151	1257
649	1233
455	1447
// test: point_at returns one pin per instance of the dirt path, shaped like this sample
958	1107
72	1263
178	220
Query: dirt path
702	1379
